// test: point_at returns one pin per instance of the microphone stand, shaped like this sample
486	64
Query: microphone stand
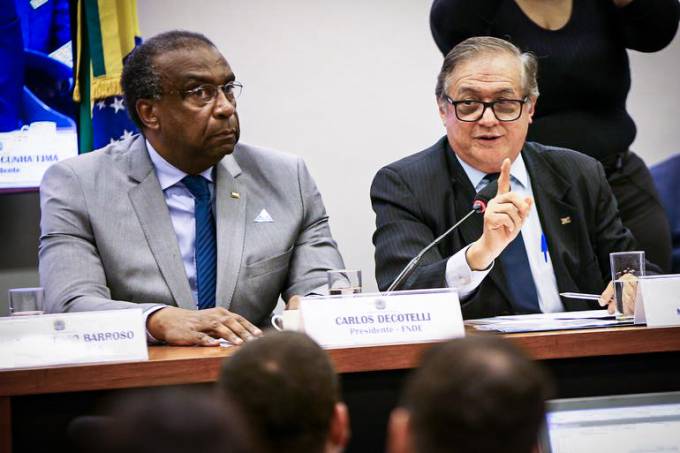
411	266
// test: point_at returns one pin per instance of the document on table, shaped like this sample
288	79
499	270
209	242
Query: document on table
548	321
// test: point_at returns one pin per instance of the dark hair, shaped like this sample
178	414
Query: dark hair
477	394
286	388
478	45
172	421
140	79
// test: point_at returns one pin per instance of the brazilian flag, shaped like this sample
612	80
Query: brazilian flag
108	30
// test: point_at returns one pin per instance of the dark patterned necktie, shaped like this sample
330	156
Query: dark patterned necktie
205	245
518	272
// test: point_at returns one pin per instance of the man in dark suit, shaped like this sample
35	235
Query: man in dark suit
557	199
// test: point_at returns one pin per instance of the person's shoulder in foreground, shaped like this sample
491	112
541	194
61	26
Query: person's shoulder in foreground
130	225
289	393
458	400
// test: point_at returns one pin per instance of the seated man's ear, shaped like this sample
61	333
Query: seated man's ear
399	437
531	108
339	432
147	113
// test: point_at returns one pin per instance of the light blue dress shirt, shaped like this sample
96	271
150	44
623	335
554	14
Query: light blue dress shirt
458	272
181	207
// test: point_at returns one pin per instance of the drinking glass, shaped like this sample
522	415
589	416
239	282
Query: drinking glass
26	301
626	268
344	281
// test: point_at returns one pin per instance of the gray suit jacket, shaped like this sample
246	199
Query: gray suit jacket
107	241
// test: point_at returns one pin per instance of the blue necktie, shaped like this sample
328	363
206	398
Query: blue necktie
206	245
518	272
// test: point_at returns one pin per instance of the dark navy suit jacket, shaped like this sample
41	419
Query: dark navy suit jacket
419	197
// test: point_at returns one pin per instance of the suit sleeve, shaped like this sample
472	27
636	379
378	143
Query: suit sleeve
452	21
400	234
315	252
70	267
649	25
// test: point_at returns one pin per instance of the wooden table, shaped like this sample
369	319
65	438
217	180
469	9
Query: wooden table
584	362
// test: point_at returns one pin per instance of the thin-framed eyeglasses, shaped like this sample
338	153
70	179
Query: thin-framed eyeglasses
469	110
207	93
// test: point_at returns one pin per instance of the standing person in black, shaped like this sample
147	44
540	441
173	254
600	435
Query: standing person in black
584	76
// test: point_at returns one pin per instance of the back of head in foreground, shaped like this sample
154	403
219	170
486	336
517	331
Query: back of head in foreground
476	394
171	421
289	393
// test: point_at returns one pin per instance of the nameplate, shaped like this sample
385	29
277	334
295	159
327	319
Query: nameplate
658	302
374	319
68	338
26	154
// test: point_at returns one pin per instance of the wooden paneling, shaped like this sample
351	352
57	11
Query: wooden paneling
598	342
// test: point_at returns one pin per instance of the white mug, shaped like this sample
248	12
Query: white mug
287	320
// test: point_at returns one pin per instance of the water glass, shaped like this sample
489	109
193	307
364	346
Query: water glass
344	281
26	301
626	268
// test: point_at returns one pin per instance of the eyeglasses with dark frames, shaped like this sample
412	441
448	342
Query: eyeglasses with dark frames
207	93
469	110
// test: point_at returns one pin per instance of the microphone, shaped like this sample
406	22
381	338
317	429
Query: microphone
483	196
478	206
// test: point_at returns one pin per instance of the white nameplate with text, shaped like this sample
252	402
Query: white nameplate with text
68	338
375	319
658	301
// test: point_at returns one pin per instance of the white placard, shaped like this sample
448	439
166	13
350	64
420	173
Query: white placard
68	338
658	301
374	319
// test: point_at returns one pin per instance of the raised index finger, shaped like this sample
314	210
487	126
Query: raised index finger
504	178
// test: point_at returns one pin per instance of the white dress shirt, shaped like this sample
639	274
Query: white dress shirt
458	272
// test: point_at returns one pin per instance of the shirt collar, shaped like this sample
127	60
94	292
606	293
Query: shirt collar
168	175
518	172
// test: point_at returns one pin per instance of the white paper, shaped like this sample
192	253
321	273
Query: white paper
658	301
538	322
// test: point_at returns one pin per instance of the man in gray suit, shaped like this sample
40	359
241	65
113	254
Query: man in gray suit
183	217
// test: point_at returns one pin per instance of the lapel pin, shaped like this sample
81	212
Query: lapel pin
235	195
565	220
